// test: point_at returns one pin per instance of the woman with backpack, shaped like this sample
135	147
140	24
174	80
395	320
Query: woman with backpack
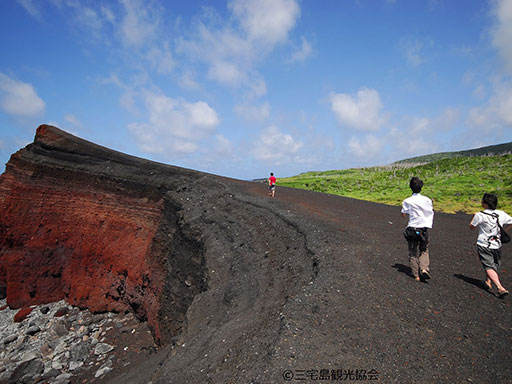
489	241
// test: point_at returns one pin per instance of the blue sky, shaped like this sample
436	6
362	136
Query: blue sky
246	87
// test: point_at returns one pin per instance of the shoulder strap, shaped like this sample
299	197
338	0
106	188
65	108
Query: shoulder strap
495	215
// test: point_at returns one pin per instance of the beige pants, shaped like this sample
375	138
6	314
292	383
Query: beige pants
416	263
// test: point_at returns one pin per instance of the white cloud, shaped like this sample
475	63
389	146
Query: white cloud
496	113
135	26
268	21
413	51
420	135
414	126
108	14
200	116
226	73
129	95
188	80
30	7
223	145
73	122
366	148
303	52
19	98
448	119
253	112
139	24
161	59
479	92
502	31
361	111
90	21
232	49
412	141
276	147
148	137
256	86
412	136
174	124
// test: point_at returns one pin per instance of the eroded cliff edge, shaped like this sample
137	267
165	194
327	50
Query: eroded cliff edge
99	229
195	255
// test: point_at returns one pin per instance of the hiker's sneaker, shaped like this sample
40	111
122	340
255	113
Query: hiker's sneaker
425	274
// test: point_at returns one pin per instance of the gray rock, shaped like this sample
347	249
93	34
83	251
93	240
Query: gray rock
80	351
60	329
30	355
63	378
102	371
32	323
46	349
60	348
10	339
62	381
75	365
102	348
33	330
56	364
105	368
27	370
50	373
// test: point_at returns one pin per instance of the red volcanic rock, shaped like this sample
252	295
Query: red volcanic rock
83	223
22	314
61	312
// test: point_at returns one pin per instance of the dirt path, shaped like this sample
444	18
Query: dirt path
333	301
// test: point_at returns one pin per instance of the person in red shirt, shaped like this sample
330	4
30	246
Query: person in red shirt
272	185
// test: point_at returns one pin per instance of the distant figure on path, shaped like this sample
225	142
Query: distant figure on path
272	185
488	243
421	216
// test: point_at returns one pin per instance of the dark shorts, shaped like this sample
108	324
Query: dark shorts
271	187
490	258
416	237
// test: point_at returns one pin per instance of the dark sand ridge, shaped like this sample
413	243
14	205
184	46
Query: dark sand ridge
345	301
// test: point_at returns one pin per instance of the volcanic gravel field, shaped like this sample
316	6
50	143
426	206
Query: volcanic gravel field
341	305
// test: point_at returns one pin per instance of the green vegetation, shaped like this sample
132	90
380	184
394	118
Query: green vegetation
454	184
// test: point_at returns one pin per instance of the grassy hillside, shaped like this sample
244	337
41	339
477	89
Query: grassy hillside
454	184
491	150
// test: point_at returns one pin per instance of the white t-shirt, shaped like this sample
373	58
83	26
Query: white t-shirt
420	211
488	229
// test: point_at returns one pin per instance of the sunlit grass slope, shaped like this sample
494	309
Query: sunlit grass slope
455	184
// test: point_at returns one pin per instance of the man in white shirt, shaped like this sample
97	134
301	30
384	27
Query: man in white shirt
489	242
421	216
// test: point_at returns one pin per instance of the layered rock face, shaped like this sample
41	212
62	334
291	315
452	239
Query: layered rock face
95	227
210	262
